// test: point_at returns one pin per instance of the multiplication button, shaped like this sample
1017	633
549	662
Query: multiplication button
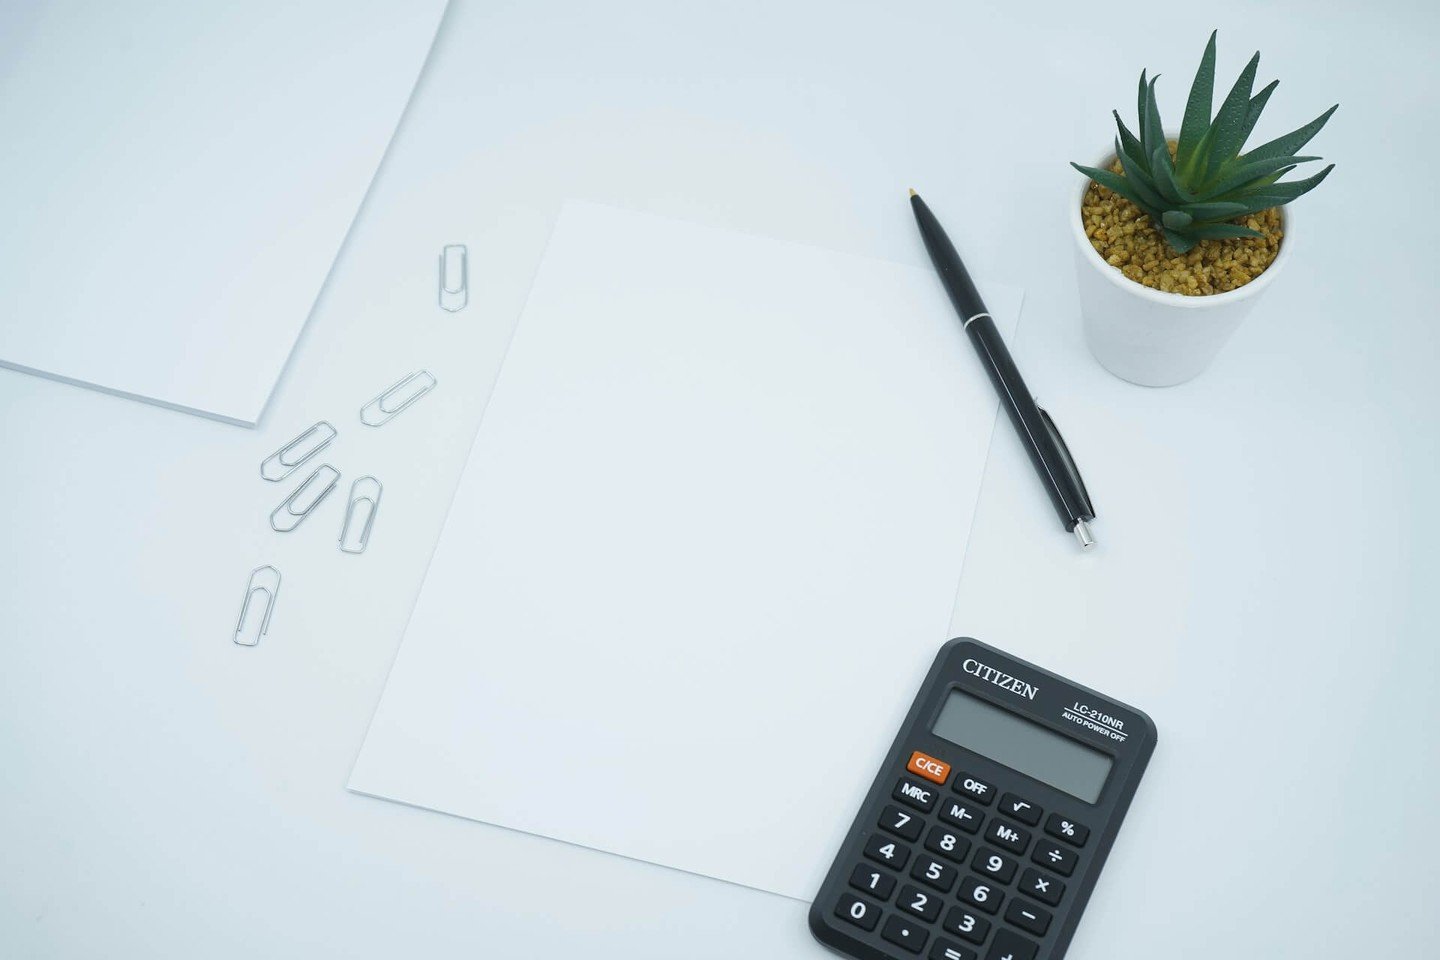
1035	884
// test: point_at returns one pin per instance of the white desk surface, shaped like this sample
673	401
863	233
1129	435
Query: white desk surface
170	795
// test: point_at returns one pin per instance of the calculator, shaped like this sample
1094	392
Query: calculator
991	817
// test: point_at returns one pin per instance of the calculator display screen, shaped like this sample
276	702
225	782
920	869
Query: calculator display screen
1023	745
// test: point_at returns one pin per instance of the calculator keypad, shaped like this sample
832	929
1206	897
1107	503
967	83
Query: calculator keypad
971	885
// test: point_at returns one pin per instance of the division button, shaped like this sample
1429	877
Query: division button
906	934
1055	857
854	910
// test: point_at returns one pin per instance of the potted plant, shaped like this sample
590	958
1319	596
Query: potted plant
1177	238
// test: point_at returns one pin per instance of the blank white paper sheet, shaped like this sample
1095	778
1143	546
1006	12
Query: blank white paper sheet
178	177
703	552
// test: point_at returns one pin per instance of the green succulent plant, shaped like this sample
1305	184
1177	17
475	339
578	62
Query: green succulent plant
1209	182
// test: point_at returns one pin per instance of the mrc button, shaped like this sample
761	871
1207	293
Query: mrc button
924	765
919	795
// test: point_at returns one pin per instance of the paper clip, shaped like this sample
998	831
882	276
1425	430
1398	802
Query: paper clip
454	277
296	507
382	409
264	581
288	458
366	491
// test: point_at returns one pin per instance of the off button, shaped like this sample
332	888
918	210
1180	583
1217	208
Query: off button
924	765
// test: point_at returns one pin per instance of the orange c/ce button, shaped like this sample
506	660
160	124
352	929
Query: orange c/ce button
928	767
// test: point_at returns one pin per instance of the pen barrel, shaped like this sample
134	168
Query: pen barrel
1042	441
953	275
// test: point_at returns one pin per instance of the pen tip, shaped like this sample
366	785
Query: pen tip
913	193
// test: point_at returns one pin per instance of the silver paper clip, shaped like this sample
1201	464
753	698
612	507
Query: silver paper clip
382	409
264	582
296	507
364	495
454	277
289	458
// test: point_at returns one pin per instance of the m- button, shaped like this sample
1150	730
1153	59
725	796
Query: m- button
924	765
915	794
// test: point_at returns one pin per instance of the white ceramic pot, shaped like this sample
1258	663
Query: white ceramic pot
1150	337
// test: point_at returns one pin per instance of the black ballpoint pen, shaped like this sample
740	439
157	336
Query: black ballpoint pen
1042	440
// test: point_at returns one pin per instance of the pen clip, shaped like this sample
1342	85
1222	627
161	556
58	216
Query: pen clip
1077	483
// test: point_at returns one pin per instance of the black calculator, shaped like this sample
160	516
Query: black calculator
988	824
